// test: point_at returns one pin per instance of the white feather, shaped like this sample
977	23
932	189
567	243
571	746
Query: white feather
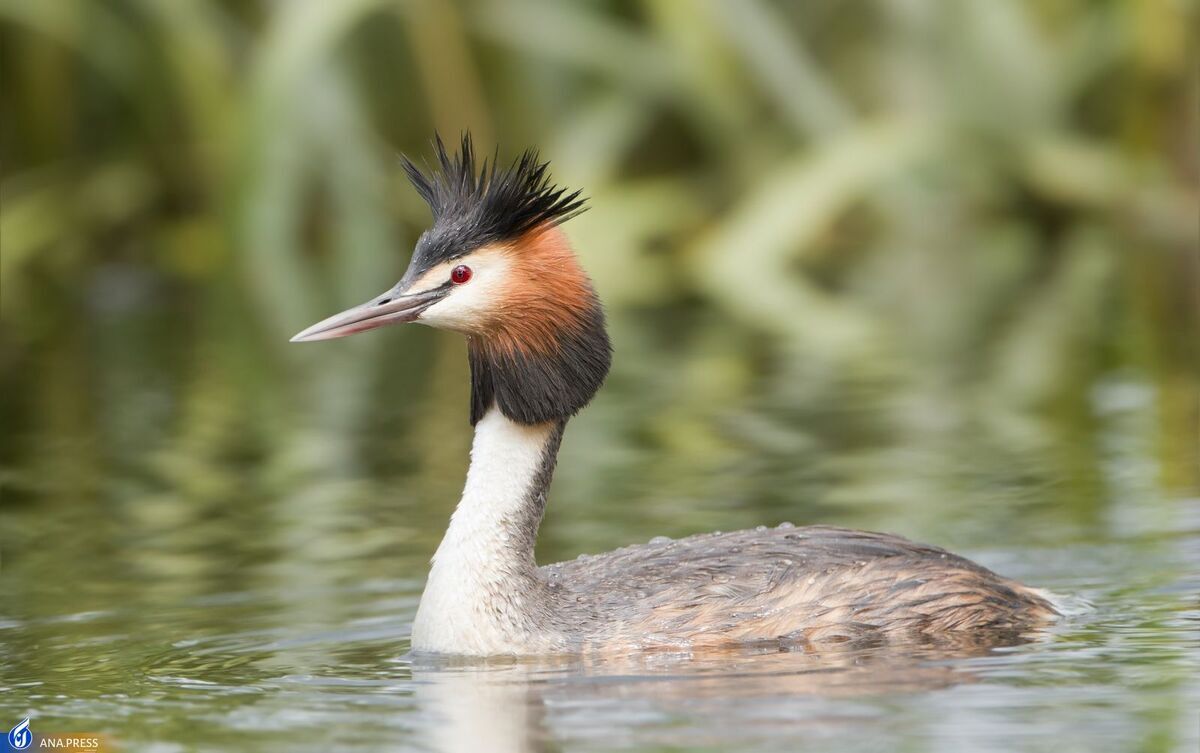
473	599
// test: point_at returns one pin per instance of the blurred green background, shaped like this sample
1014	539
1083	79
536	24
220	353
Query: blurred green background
915	266
960	218
981	208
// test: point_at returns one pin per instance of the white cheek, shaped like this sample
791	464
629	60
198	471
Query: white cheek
468	305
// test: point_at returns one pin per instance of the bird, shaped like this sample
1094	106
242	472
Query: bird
496	266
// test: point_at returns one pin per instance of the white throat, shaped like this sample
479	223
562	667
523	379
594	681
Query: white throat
484	595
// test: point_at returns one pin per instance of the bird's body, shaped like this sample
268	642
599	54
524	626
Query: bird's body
785	586
495	267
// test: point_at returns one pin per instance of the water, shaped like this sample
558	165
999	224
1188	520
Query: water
211	567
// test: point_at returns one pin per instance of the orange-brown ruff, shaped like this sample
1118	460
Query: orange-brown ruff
549	293
496	267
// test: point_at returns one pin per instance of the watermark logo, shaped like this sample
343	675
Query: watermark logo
19	737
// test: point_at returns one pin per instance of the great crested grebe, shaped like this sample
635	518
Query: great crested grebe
496	267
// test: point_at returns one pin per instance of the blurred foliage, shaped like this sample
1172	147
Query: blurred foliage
901	264
981	209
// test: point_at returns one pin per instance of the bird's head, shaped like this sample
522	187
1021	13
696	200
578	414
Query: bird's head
495	266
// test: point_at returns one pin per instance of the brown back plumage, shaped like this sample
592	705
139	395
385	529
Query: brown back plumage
786	586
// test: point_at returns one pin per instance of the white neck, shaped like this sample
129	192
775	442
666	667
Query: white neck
484	595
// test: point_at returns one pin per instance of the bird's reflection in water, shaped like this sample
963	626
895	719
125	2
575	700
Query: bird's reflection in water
509	705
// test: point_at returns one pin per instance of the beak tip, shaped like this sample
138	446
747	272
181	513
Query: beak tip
309	335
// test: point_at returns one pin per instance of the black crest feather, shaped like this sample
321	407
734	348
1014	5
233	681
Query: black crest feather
474	205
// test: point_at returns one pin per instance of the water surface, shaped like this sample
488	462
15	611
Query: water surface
201	570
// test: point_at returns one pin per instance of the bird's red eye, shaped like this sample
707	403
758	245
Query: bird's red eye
460	274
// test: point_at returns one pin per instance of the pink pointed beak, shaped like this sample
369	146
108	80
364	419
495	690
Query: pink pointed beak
388	308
